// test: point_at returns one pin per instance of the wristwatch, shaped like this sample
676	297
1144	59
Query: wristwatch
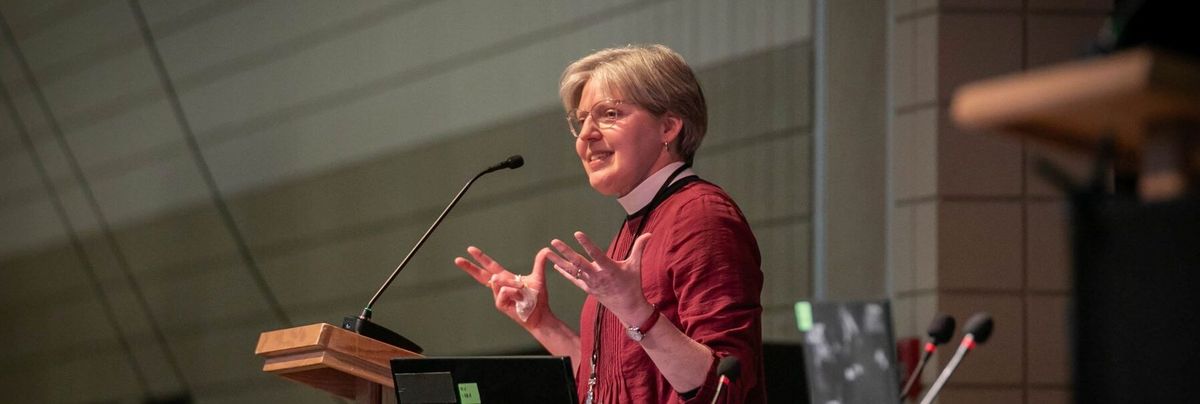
638	333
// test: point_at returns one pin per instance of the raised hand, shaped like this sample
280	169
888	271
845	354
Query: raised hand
615	284
507	287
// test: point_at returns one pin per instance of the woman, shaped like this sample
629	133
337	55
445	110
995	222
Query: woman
678	288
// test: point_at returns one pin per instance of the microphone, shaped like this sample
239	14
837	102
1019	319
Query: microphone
940	330
977	331
362	324
513	162
729	368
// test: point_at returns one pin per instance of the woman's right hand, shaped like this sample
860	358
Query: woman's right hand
506	286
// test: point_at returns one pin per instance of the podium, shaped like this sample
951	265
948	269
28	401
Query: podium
1136	260
329	358
1147	101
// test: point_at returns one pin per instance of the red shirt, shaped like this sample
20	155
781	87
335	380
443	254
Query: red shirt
701	270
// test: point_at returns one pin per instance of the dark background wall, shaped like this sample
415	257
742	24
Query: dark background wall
180	176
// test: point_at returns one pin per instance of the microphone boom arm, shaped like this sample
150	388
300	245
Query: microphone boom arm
362	324
366	313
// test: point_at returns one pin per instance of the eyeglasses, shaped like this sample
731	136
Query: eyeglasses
604	115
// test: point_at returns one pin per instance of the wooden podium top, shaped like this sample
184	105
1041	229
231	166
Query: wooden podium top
1080	103
328	358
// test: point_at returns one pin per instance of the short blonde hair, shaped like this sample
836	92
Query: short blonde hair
654	77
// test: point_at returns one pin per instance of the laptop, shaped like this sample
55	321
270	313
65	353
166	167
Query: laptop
484	380
850	352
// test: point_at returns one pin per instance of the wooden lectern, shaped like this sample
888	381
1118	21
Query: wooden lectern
1136	260
329	358
1147	100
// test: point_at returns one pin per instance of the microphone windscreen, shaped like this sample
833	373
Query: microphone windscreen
979	326
515	161
941	329
730	367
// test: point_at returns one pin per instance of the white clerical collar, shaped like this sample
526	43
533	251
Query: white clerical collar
641	195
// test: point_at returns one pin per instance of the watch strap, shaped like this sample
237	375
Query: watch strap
650	322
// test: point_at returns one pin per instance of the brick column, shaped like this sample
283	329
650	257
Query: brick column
971	227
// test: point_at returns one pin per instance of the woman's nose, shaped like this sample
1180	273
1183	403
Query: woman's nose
590	132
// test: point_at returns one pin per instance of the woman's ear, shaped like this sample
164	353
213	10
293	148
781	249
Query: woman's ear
672	127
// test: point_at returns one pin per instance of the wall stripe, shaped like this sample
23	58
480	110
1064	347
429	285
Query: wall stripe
93	204
248	261
85	263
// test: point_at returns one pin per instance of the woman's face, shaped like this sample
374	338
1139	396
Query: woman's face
618	158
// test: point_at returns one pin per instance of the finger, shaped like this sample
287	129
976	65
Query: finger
579	283
592	250
576	260
470	268
562	264
485	260
539	264
498	281
507	297
639	245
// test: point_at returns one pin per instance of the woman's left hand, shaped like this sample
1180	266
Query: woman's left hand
615	284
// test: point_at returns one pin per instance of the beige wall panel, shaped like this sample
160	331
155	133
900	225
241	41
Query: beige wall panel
174	241
208	357
1049	332
1048	246
1078	165
999	362
92	376
786	264
76	325
988	395
1061	38
28	226
113	147
79	211
77	98
779	325
467	313
13	156
982	5
903	63
927	63
1049	396
240	31
75	34
926	247
972	163
979	245
1092	5
11	147
904	156
901	245
29	278
391	111
277	390
206	301
975	46
154	189
904	324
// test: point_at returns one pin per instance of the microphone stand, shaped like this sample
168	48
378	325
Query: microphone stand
966	346
912	379
362	324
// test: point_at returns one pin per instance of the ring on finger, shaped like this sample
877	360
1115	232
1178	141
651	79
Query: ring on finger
578	273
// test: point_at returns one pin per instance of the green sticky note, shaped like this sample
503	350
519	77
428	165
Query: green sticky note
803	316
468	393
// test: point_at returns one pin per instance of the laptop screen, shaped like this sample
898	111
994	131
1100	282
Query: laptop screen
484	380
850	352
